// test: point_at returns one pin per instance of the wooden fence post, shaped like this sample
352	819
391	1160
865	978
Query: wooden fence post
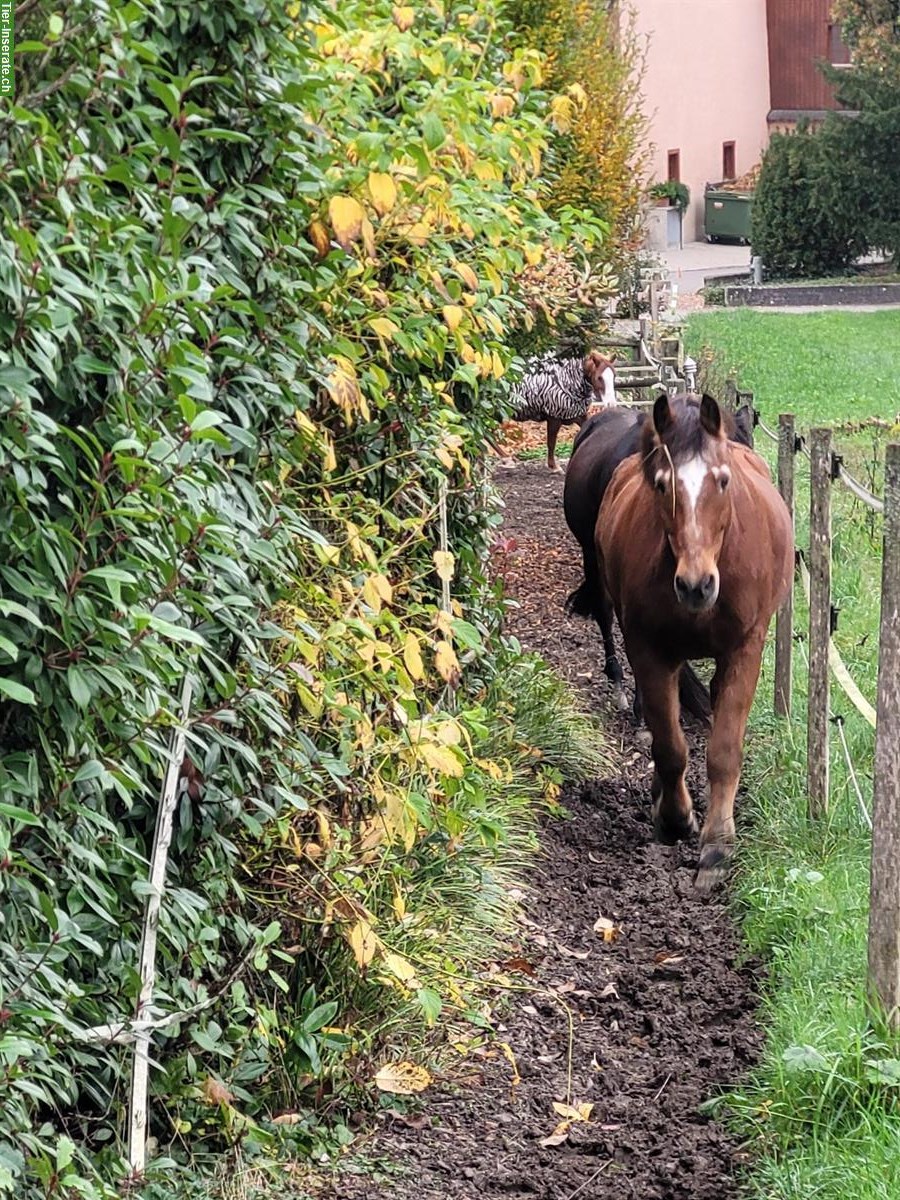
818	767
884	893
784	618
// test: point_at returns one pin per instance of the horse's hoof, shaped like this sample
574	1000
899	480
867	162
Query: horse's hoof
644	737
670	831
622	701
555	470
713	869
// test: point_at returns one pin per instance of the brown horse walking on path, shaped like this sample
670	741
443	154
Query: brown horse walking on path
608	438
696	547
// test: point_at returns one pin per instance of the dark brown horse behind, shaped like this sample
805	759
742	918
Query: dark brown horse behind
603	443
696	548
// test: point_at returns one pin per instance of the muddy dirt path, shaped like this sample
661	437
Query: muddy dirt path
662	1015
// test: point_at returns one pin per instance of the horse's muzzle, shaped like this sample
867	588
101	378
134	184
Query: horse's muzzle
699	596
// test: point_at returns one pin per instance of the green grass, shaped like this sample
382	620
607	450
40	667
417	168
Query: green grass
823	1108
823	367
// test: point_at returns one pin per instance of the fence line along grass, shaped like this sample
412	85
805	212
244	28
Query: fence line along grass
822	1108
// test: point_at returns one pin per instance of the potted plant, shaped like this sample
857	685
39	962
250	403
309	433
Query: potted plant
673	193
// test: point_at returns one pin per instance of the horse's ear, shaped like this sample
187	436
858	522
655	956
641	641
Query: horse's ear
743	425
711	415
662	413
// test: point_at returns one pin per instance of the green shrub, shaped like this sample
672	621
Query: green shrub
806	210
257	279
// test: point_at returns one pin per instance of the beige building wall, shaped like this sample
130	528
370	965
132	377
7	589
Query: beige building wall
706	83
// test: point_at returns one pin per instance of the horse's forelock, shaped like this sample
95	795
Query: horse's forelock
684	438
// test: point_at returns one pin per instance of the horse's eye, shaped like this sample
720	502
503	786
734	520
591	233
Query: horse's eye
724	480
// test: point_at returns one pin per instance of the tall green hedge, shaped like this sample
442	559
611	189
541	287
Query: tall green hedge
257	269
806	210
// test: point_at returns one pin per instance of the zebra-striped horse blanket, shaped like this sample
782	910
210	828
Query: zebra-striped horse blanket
560	389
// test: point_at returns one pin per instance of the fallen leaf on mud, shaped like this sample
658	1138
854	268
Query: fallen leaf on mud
665	957
511	1059
580	1112
573	1115
420	1121
609	990
567	953
518	964
402	1079
288	1119
608	930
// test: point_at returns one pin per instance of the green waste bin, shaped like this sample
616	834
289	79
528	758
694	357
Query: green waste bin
727	215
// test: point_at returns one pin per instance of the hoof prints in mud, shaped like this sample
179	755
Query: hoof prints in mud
661	1016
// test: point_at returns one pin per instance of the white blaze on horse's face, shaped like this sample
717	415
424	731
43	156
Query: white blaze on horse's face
698	531
608	378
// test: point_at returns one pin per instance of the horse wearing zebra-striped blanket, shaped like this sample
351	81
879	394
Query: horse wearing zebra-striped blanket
562	391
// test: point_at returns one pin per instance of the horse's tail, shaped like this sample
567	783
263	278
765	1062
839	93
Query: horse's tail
580	603
694	695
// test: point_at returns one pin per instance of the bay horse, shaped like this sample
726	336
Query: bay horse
562	391
696	547
606	440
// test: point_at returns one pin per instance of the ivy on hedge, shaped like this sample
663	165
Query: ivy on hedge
257	271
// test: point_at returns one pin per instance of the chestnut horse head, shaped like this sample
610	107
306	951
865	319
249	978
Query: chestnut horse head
686	460
600	373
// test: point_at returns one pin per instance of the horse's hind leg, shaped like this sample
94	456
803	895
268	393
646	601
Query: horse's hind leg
553	428
733	688
673	809
602	612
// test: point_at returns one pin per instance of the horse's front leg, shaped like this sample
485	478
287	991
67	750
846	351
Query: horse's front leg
553	428
732	690
657	684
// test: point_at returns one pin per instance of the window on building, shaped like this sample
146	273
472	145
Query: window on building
838	52
674	166
728	170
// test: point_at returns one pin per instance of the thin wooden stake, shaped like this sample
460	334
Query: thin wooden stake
884	895
817	746
784	619
140	1073
445	541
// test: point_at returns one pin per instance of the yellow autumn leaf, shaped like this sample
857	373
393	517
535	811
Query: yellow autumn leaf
402	1079
346	215
399	903
371	595
467	275
443	622
444	564
368	236
446	662
452	314
580	1112
329	462
403	16
497	368
506	1050
383	191
383	587
384	327
363	942
533	255
502	104
400	967
562	113
343	388
578	94
318	235
412	656
440	759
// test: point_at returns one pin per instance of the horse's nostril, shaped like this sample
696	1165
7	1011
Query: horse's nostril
680	586
707	586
